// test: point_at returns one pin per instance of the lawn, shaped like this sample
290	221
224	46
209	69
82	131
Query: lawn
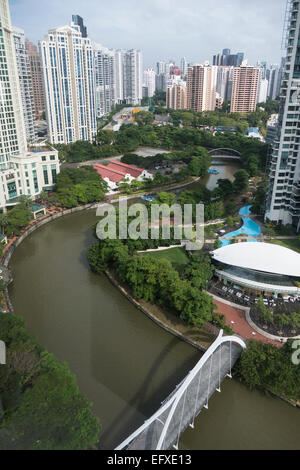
291	244
177	256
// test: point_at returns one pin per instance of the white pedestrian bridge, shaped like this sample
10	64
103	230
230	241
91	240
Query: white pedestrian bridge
163	430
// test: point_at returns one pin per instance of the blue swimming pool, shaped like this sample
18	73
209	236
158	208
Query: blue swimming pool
249	227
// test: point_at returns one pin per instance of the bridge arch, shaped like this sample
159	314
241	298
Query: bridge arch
180	409
227	151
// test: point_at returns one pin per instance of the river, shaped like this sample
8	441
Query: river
124	363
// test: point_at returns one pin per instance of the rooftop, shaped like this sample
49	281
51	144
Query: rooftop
263	257
116	171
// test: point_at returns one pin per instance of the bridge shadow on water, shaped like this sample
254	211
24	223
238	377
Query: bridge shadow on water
147	399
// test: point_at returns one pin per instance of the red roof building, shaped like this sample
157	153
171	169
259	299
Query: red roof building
116	171
110	173
134	171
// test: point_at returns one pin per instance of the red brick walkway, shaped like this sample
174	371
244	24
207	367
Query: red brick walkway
240	326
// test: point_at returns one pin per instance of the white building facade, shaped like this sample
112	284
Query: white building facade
68	68
21	170
149	81
105	65
283	201
132	77
23	67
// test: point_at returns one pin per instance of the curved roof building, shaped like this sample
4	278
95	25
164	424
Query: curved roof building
259	266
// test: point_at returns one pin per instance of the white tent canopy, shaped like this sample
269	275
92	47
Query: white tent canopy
264	257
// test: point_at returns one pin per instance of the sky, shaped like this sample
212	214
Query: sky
165	29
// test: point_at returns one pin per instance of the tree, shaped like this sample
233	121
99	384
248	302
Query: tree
268	368
144	118
198	308
225	187
3	222
44	196
241	181
43	408
18	217
105	137
198	166
199	271
166	198
230	221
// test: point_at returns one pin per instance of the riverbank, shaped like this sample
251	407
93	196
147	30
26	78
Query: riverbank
125	363
200	338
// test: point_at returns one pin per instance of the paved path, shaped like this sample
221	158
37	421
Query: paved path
240	326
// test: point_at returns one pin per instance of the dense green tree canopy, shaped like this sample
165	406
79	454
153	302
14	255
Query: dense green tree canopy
42	406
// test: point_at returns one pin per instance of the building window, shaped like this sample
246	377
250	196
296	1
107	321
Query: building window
44	159
46	178
35	181
54	173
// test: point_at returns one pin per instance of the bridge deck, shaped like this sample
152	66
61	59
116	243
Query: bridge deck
196	396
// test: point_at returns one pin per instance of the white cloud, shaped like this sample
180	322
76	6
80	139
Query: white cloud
165	29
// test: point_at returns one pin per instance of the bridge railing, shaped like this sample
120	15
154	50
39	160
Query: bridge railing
180	409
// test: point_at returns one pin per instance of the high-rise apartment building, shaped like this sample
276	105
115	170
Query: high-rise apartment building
132	77
119	66
274	76
23	68
105	80
12	129
224	82
161	82
36	79
78	21
263	91
283	201
22	171
69	82
149	81
201	88
177	96
184	67
160	67
245	89
228	59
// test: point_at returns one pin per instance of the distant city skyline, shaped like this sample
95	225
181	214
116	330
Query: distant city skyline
165	30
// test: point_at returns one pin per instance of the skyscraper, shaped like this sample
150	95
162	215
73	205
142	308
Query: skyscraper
160	67
228	59
245	89
23	68
149	81
224	82
105	79
184	67
69	81
161	81
12	129
23	171
262	91
177	96
283	201
201	88
132	77
274	77
119	68
36	78
78	21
